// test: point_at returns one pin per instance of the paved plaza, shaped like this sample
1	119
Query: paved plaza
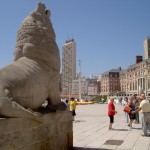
90	130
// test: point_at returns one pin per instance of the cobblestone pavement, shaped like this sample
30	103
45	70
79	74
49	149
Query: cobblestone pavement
90	130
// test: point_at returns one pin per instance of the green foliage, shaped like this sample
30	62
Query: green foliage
101	99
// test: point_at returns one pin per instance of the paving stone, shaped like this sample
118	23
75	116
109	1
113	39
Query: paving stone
91	130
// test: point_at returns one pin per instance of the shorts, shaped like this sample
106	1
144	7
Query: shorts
132	116
111	118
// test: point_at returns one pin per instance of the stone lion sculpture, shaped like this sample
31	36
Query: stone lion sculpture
33	77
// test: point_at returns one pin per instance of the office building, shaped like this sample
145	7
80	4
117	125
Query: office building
147	48
68	65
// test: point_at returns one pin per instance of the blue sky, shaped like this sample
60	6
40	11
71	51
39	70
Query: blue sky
108	33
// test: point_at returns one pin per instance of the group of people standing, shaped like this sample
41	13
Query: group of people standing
135	104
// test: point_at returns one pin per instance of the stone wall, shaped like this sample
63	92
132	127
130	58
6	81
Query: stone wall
54	133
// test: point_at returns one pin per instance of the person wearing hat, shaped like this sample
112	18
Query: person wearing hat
145	117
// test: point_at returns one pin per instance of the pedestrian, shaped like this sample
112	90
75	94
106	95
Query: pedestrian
120	100
73	107
145	117
67	104
136	103
131	115
111	112
125	103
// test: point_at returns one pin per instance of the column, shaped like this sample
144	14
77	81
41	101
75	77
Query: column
141	84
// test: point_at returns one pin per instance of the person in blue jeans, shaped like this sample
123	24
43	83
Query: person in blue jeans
126	114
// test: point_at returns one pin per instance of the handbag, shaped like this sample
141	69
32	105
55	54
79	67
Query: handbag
126	109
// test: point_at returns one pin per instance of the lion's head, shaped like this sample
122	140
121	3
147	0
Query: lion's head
36	37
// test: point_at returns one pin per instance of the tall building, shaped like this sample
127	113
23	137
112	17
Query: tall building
147	48
68	65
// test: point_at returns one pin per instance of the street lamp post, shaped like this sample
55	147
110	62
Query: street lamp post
70	87
80	80
69	91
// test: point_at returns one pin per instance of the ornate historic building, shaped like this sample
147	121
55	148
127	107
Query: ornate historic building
138	78
110	82
133	80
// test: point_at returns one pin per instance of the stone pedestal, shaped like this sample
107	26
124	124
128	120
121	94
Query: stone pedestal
54	133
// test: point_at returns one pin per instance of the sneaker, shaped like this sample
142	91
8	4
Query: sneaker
128	125
142	134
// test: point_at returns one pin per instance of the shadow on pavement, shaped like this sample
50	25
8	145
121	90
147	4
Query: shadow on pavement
120	129
138	128
126	129
82	148
78	121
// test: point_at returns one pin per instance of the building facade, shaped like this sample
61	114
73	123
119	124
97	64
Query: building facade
138	77
123	82
110	82
68	65
84	87
133	80
93	86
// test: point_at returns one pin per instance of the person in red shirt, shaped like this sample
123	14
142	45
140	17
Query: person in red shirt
111	112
